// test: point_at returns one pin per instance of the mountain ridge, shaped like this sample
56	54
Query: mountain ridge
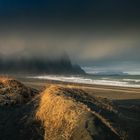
62	65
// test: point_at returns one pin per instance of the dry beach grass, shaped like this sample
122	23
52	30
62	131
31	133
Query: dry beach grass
62	115
13	91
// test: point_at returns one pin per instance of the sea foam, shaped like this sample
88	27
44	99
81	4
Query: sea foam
80	79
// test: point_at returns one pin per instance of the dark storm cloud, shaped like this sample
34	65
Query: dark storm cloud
90	31
61	14
70	9
82	48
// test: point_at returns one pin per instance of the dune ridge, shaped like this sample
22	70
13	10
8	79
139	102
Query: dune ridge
66	118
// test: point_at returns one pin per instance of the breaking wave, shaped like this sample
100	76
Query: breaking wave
88	80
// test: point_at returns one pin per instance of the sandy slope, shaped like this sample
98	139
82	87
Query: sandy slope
67	111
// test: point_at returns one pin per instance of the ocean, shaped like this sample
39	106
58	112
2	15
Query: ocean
117	80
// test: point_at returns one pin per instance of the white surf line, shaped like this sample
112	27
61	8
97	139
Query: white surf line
82	80
96	88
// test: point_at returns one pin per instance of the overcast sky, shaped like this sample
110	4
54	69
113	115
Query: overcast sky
95	33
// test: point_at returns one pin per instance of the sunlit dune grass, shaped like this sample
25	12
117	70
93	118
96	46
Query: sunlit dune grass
63	118
59	114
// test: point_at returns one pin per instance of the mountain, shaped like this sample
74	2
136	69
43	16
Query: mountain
60	65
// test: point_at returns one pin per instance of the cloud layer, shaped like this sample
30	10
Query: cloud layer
80	47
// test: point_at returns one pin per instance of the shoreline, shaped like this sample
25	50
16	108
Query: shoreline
110	92
111	81
105	81
78	84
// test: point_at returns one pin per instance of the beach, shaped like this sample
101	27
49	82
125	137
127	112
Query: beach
27	102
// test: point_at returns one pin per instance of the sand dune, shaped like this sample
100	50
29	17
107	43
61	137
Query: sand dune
62	112
64	117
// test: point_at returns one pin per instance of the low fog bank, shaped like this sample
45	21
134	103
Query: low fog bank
32	65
